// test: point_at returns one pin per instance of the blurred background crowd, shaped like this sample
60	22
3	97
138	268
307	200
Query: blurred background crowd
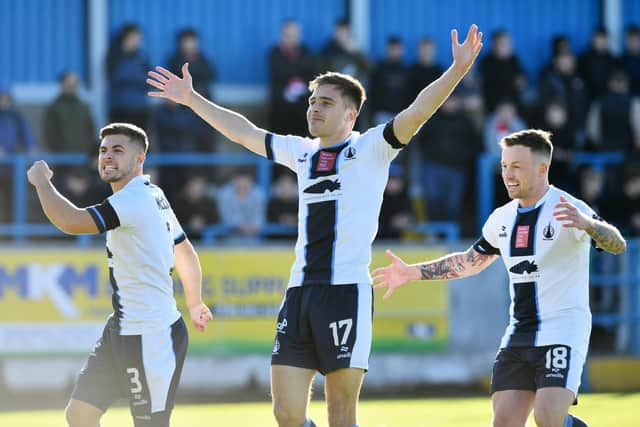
588	99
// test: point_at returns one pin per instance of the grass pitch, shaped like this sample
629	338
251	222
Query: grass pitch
599	410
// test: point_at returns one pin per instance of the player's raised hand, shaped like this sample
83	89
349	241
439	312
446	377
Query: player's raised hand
171	86
200	316
393	276
570	216
466	53
39	173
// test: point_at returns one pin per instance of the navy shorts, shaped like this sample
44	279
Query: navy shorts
145	369
531	368
325	328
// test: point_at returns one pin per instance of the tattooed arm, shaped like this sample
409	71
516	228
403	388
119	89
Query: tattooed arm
452	266
606	236
456	265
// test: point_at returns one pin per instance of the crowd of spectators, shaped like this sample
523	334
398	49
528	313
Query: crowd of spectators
590	101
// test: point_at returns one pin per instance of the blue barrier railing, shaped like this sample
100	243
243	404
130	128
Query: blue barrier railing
20	229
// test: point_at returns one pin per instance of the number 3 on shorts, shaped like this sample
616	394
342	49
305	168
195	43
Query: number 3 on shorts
556	358
335	326
135	380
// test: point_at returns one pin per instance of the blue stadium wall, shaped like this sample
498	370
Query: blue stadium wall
630	12
41	38
531	24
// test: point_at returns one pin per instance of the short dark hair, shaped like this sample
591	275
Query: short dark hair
135	133
633	30
539	141
394	40
187	33
350	87
342	22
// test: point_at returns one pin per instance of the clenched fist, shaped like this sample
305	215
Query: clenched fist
39	173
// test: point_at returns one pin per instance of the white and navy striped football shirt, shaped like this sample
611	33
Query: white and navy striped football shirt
548	267
340	194
141	233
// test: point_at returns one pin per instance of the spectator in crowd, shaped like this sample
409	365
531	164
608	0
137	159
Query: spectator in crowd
446	141
503	77
15	137
68	123
470	93
76	185
390	91
342	53
291	65
194	208
178	130
242	205
204	74
282	208
623	206
426	69
396	214
596	64
560	44
504	121
613	123
631	58
126	70
563	84
555	119
188	50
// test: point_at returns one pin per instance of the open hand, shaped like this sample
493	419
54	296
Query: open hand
570	216
466	53
393	276
171	86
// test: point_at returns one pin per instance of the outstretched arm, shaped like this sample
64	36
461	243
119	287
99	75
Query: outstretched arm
606	236
452	266
234	126
190	273
60	211
409	121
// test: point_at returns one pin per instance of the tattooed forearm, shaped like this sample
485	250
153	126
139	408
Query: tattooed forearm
607	237
445	268
455	265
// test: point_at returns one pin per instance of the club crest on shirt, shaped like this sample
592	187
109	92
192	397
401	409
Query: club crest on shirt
350	153
503	231
548	232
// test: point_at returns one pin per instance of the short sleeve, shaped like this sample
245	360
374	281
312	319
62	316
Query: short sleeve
284	150
124	205
383	142
484	247
490	232
104	215
177	233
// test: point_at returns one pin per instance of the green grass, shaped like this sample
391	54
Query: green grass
599	410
